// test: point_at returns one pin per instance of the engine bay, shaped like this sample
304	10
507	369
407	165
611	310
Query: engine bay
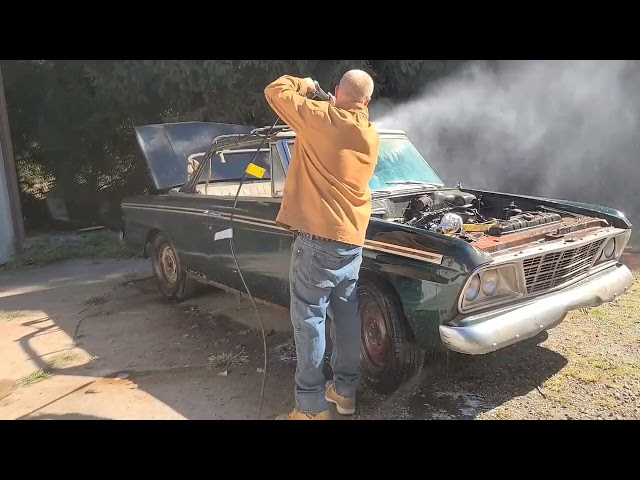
492	224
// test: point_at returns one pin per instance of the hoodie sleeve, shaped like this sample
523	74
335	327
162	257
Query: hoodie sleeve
287	97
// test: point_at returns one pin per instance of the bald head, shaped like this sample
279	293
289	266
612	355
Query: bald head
355	86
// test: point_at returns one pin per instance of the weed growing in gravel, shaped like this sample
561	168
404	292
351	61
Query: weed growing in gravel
227	360
93	301
8	316
33	378
62	360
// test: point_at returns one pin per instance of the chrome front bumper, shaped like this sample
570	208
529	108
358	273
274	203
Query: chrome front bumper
490	331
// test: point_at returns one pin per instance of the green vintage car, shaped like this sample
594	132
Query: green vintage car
444	268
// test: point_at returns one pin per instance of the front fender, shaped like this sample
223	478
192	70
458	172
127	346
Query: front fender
411	261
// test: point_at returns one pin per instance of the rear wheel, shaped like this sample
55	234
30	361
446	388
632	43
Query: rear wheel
389	355
171	277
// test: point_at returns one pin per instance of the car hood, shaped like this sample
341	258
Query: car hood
168	146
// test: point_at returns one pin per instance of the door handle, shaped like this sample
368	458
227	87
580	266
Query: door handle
212	214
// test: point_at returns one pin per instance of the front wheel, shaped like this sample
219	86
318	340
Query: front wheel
171	277
389	356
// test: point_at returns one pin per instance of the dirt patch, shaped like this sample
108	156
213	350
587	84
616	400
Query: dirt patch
5	388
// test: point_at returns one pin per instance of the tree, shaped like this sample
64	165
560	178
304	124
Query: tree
72	120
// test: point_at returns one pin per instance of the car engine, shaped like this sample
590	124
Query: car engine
454	212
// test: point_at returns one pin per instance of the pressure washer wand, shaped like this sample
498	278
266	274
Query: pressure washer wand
321	94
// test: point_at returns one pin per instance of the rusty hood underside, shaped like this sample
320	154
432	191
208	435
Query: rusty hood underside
569	227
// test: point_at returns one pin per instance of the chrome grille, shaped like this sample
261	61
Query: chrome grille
555	268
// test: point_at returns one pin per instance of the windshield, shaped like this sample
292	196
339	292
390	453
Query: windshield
400	164
400	161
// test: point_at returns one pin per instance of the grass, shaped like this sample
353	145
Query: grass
608	325
607	403
56	363
33	378
8	316
502	415
582	375
555	383
60	361
93	301
48	249
228	360
560	400
607	356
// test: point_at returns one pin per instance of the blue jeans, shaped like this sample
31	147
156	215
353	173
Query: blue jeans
323	276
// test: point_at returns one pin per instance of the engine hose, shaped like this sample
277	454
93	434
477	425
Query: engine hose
246	287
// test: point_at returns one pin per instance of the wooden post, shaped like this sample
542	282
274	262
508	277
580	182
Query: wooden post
10	168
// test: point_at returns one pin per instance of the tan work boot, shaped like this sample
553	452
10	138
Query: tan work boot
297	415
344	405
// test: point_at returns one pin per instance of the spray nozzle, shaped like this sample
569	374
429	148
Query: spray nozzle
319	93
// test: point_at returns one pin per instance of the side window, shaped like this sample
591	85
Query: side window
230	164
222	174
277	172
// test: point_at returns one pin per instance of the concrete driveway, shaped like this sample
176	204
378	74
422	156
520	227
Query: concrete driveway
85	339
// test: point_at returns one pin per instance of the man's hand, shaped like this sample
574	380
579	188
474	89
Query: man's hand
311	90
311	87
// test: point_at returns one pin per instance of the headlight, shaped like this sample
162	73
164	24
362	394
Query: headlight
612	248
489	282
473	289
490	286
609	248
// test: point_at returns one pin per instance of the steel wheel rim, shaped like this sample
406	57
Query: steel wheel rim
375	338
168	264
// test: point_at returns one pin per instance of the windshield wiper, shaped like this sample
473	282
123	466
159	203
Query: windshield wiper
412	182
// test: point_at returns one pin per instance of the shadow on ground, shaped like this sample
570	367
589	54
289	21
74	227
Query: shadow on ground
66	416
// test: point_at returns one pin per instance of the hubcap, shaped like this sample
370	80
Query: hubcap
375	338
169	265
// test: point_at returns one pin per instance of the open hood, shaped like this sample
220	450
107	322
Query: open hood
168	146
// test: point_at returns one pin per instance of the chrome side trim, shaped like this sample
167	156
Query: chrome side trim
370	245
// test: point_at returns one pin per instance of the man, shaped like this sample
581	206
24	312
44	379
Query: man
327	204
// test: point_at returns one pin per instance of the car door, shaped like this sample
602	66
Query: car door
214	203
263	248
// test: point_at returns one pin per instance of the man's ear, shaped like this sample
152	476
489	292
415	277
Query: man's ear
366	102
